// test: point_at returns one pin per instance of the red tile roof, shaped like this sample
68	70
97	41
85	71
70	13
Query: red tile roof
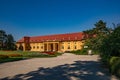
56	37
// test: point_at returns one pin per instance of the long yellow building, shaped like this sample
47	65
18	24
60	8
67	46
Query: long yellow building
57	42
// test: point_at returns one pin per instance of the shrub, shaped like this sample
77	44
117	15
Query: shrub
14	55
35	55
49	52
115	65
58	54
4	56
78	52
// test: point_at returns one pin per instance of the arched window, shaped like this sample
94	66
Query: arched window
21	47
75	47
33	47
37	47
68	47
62	47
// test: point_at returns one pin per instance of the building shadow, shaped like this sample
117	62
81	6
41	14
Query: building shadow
79	70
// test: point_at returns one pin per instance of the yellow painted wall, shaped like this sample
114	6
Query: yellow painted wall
37	46
72	45
66	44
18	45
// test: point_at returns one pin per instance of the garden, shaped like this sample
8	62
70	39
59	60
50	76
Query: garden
7	56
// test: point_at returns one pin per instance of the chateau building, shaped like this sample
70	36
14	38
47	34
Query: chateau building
57	42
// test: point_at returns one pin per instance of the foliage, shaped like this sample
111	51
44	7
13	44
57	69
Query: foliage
3	56
83	51
96	35
6	41
107	42
10	59
111	44
10	42
115	65
6	56
49	52
14	55
110	50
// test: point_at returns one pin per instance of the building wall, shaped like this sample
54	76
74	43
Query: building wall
62	46
37	46
18	45
71	45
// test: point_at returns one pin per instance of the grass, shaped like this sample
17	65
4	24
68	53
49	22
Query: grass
11	59
7	56
83	52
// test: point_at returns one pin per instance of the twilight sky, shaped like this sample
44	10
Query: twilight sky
44	17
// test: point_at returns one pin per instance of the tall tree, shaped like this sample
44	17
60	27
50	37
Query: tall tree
96	35
111	44
6	41
3	39
10	42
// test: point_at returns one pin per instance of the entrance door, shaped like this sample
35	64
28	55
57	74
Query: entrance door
45	47
56	46
51	46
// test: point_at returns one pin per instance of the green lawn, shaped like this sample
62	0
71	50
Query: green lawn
7	56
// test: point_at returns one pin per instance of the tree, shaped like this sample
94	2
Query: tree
6	41
111	44
10	42
3	39
96	35
100	27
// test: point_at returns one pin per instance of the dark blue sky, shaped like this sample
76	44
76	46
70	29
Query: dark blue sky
43	17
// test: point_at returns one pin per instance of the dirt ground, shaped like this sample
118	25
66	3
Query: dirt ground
65	67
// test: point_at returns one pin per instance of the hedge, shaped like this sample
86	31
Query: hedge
115	65
3	56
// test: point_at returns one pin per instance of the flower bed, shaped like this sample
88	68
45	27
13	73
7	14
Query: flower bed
49	52
3	56
14	55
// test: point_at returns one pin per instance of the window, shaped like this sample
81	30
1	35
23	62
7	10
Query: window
62	47
41	47
33	47
37	47
75	47
68	43
68	47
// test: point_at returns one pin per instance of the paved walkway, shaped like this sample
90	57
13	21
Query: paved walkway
65	67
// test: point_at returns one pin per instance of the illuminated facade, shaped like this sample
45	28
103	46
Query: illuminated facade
57	42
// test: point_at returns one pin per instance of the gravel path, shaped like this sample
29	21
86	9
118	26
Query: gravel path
65	67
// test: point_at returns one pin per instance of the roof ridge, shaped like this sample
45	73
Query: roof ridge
65	36
56	34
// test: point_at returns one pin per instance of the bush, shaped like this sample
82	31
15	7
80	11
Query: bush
78	52
49	52
4	56
32	55
58	54
84	51
14	55
115	65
